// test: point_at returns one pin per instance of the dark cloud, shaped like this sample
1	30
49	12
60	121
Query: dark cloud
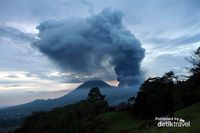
99	44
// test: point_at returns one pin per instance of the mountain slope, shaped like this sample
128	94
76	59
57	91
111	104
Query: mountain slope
114	96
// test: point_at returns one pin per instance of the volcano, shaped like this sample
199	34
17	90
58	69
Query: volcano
114	96
94	83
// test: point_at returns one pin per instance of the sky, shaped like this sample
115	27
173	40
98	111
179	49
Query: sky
164	32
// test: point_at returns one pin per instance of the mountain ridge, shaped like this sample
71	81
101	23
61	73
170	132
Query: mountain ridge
113	94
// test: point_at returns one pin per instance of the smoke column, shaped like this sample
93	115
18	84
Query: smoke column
95	45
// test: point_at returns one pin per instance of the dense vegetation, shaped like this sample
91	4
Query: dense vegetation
74	118
159	96
164	95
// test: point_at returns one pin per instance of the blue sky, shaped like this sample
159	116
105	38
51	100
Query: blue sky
168	31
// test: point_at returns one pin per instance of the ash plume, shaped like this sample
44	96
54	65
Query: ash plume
98	45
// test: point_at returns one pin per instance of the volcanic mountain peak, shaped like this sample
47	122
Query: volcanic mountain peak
94	83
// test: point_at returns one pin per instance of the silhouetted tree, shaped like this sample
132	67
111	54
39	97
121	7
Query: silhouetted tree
131	100
98	100
191	87
155	97
195	61
95	95
163	95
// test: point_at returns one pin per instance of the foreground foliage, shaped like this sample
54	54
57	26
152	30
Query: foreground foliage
75	118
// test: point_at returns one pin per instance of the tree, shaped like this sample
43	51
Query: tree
95	95
131	100
155	97
191	87
195	61
97	100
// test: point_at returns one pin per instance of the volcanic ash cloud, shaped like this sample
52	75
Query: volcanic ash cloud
98	44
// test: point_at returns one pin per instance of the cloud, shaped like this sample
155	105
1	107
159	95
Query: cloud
98	44
89	4
33	11
64	77
47	75
12	76
153	18
17	53
165	62
182	40
15	34
168	58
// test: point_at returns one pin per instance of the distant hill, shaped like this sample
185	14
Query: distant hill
114	96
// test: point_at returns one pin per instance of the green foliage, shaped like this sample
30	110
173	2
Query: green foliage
191	90
195	61
95	96
155	97
126	122
131	100
190	113
74	118
191	87
118	122
97	100
163	95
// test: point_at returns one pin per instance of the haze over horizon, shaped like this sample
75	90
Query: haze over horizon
139	39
